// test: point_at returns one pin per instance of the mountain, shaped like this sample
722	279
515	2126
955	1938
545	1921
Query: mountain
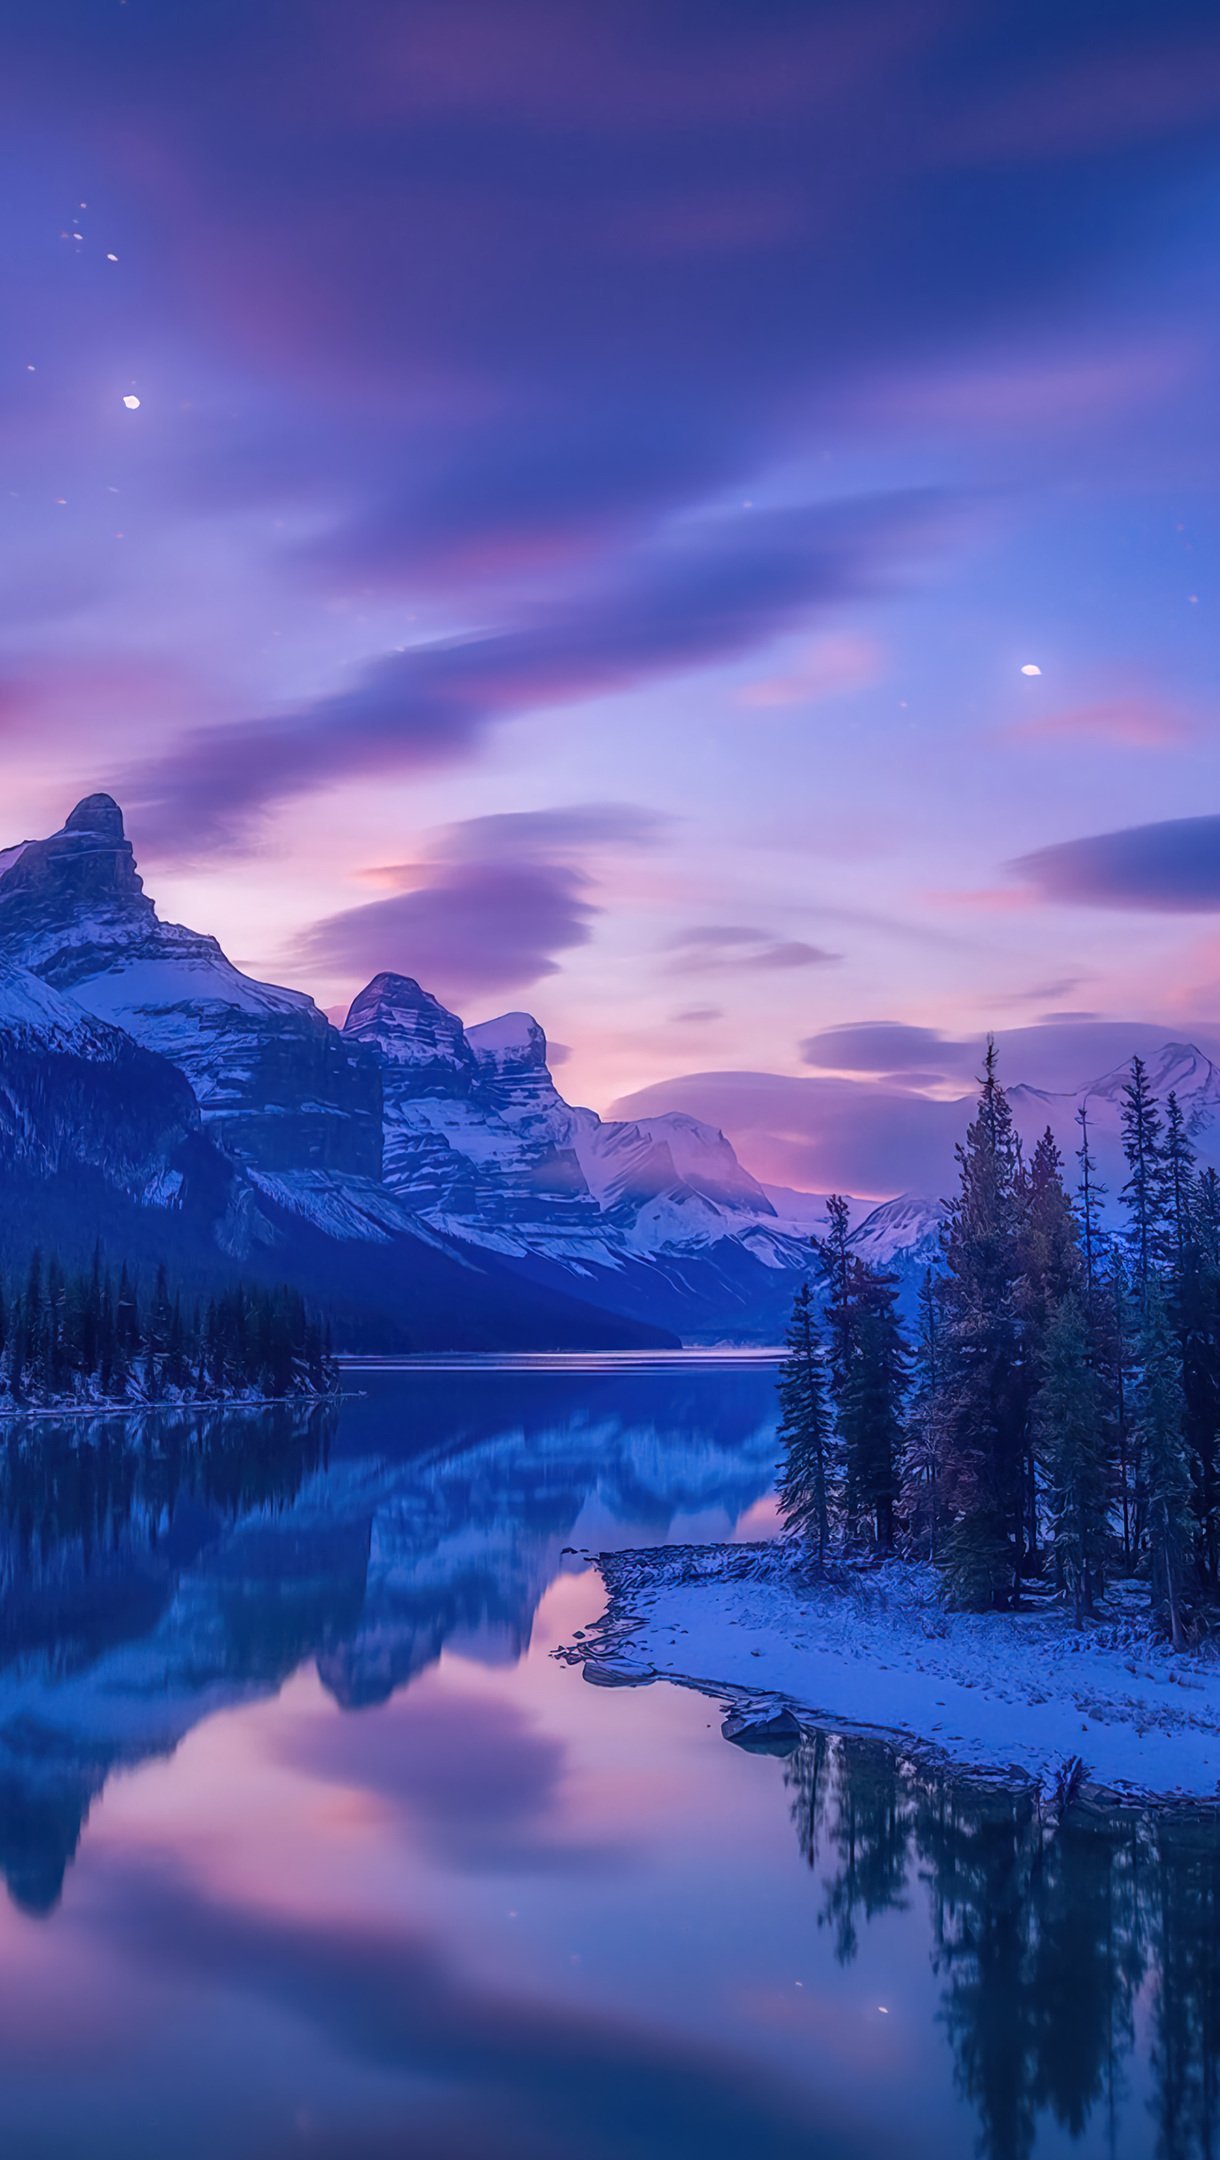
653	1217
284	1093
424	1178
1177	1068
76	1093
152	1092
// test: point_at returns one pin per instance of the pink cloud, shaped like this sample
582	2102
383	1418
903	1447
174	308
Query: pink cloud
980	900
1067	389
825	669
1126	723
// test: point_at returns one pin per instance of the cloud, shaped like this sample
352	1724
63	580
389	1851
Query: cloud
473	927
1122	723
724	945
868	1128
500	898
718	588
1171	867
505	506
888	1046
1139	91
830	667
569	829
818	1133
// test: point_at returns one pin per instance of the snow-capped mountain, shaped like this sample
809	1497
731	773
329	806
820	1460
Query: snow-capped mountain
78	1095
407	1164
286	1094
1177	1068
134	1050
905	1230
656	1213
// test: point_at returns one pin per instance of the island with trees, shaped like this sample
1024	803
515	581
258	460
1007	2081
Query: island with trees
1000	1525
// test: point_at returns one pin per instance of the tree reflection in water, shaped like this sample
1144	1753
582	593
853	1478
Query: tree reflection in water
1044	1935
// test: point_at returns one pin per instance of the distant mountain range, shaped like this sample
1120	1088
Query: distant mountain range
425	1179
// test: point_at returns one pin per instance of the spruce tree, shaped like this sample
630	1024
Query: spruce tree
1144	1191
1114	1331
839	1269
923	1446
1051	1269
1177	1181
984	1390
870	1412
1090	1193
1160	1422
1071	1440
807	1476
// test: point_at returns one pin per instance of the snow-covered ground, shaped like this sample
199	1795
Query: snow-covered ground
1003	1692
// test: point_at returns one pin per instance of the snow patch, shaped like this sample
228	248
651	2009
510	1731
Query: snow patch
1020	1692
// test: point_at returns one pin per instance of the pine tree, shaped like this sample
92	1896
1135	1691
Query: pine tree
63	1339
1114	1330
1090	1193
1177	1182
985	1391
1195	1310
923	1448
1071	1439
1160	1418
1144	1191
839	1269
870	1411
1051	1269
807	1477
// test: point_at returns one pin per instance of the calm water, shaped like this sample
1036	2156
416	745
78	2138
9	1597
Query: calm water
311	1847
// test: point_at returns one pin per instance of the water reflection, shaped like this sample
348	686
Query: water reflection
151	1570
419	1887
1044	1938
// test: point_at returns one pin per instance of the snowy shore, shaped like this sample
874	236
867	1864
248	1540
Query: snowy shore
1018	1695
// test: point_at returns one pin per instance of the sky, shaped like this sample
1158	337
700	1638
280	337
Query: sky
696	521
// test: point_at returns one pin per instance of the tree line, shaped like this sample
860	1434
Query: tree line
100	1337
1055	1419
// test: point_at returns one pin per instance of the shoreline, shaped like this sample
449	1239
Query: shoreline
14	1414
1020	1700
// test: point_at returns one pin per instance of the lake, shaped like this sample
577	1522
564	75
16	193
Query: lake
311	1845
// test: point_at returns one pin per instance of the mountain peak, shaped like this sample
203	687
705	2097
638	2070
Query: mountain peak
97	814
57	892
390	993
396	1016
514	1042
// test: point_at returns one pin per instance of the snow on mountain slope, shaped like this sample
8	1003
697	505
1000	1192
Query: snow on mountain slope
902	1236
1178	1069
478	1138
33	1015
77	1093
407	1125
273	1079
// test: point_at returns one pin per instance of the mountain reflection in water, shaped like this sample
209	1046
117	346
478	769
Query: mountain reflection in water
311	1845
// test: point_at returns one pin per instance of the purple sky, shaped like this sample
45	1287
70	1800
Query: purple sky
600	472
